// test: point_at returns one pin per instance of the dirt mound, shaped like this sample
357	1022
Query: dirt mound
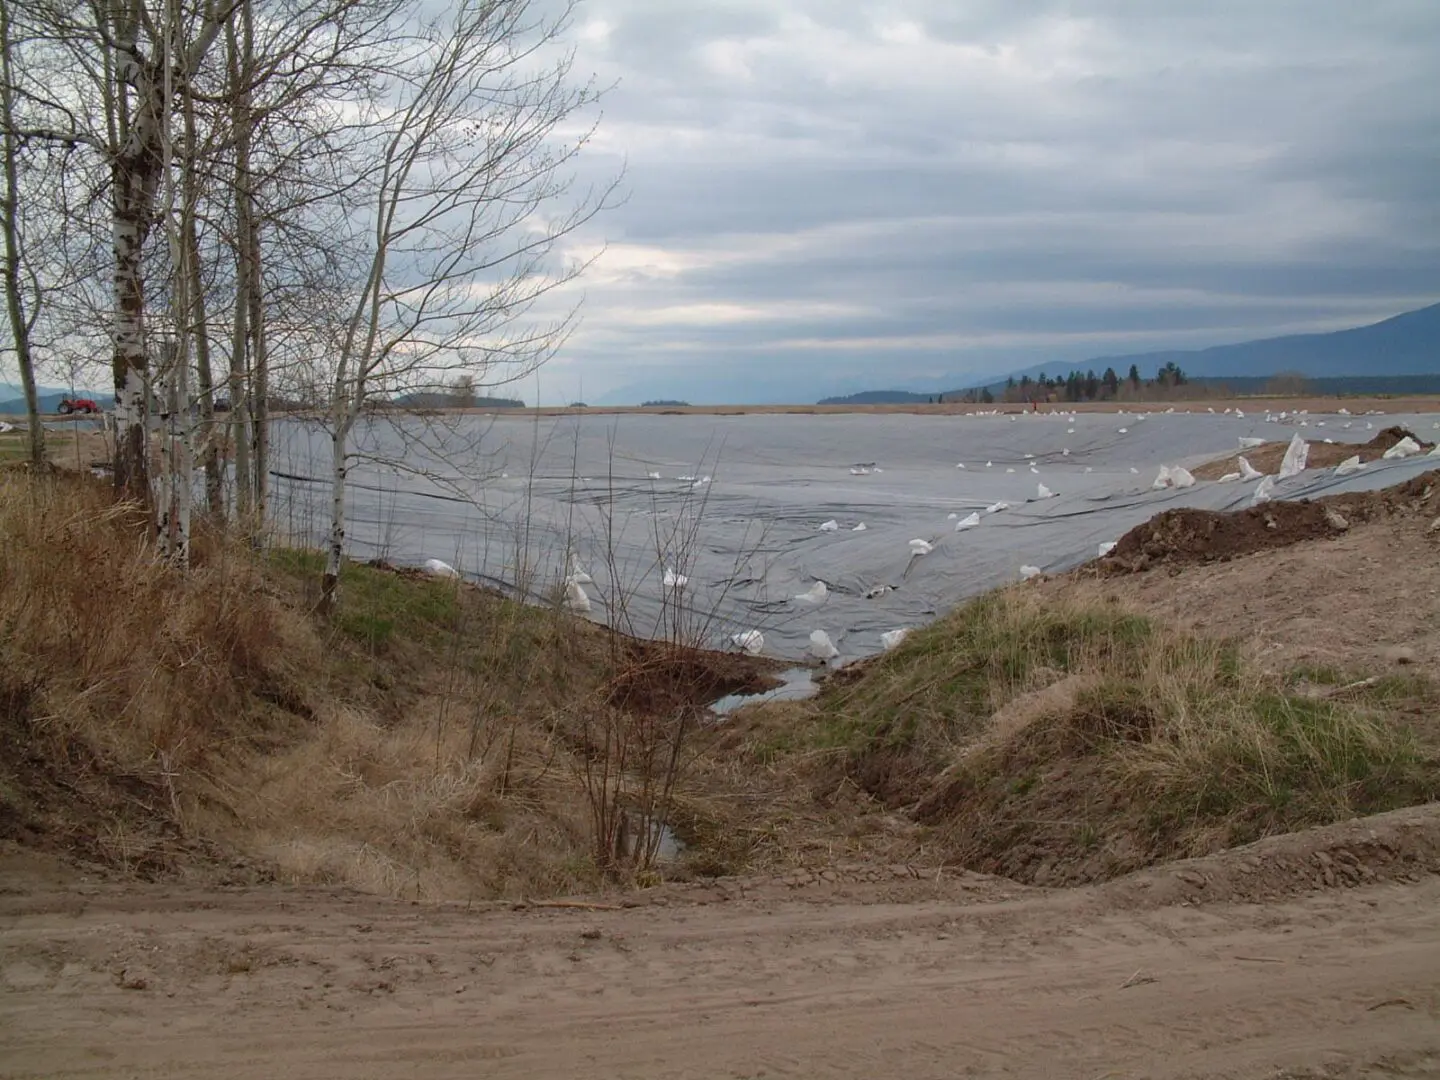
1187	537
1267	457
663	680
1403	845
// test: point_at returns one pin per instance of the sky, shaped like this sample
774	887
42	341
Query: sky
824	196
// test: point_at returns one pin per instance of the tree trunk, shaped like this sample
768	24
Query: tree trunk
9	208
240	385
335	546
200	327
255	287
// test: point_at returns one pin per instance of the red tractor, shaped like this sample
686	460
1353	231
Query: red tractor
69	405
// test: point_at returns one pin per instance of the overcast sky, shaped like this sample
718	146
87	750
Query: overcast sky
827	195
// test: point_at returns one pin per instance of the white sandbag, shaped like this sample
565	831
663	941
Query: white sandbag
1248	471
1349	465
1296	455
1406	447
1181	477
830	526
1162	480
440	569
1028	572
578	575
751	641
967	522
1228	478
674	580
652	476
1263	490
576	599
1247	443
821	647
861	527
816	594
995	508
892	638
1043	492
1109	545
921	547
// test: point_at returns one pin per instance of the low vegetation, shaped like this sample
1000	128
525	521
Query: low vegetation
1059	742
434	740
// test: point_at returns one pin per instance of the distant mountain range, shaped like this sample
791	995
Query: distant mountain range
1399	355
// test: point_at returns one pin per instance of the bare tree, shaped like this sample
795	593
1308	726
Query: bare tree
464	213
21	324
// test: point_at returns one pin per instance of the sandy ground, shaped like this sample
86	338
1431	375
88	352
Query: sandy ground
1172	973
1382	599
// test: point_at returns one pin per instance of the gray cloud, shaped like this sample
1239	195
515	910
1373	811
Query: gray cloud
830	196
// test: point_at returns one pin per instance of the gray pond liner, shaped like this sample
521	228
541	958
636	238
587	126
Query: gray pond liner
506	499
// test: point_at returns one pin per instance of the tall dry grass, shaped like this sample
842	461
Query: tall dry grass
432	740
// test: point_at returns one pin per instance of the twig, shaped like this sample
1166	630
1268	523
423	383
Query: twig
575	905
1261	959
1137	980
1363	684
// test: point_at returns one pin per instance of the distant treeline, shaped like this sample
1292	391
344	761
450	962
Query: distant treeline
1170	384
664	403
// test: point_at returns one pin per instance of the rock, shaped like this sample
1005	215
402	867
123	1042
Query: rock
590	934
134	979
1336	520
1190	877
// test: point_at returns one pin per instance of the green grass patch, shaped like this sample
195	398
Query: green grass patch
946	680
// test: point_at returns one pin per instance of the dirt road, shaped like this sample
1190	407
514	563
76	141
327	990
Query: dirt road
965	976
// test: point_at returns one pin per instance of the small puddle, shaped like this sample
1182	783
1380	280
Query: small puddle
661	836
796	684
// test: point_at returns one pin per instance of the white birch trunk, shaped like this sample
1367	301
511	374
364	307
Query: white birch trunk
335	542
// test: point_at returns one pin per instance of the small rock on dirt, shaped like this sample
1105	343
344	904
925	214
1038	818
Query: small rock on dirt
1336	520
590	934
1190	877
134	979
1400	654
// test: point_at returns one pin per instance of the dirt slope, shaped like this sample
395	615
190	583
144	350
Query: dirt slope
975	977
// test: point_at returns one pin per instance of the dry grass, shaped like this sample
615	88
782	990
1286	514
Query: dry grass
423	743
1059	741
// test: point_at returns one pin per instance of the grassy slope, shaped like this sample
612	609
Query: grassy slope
431	740
1063	743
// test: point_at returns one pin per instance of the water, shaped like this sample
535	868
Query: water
509	500
797	684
